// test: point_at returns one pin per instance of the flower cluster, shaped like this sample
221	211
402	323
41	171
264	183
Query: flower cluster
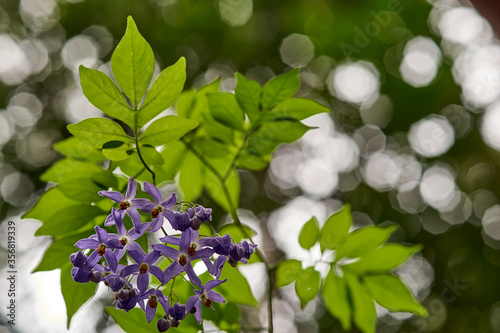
181	252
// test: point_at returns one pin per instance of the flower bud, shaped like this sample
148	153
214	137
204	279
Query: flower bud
163	325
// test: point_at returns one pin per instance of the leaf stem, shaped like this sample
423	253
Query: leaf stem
139	152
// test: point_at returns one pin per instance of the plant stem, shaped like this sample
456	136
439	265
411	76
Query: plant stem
237	222
139	152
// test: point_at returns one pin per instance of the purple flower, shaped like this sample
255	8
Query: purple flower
240	252
163	325
158	209
127	239
153	296
102	243
127	298
144	265
180	221
182	258
177	313
198	216
206	296
128	204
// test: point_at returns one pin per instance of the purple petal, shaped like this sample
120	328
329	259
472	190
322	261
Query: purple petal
102	235
170	201
203	253
167	251
191	274
171	271
87	244
92	260
119	253
143	281
133	246
136	219
113	195
138	256
164	302
185	241
209	264
148	207
156	271
118	220
130	269
140	203
153	192
193	301
110	220
131	189
157	223
111	259
213	283
152	257
150	313
170	216
171	240
215	296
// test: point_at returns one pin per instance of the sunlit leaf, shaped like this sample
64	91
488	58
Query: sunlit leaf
389	291
280	88
287	272
49	202
336	228
336	299
226	110
151	156
247	94
105	95
307	285
365	315
363	240
166	130
69	219
296	108
81	190
383	259
77	150
95	132
133	63
163	93
309	234
237	235
66	169
236	289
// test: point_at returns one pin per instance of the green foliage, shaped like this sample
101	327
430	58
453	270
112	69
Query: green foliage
308	236
351	288
236	289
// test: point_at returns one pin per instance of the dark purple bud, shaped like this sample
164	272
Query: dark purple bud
175	323
163	324
96	277
116	283
177	312
80	274
78	259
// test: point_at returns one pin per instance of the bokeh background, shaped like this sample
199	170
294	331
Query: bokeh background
413	137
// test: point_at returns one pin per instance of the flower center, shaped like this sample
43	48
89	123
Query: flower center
143	268
123	240
182	260
124	205
153	303
192	249
101	249
208	302
156	211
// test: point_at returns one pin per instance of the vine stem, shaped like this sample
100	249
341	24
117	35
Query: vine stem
139	152
237	221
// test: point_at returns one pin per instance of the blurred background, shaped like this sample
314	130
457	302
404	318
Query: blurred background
413	137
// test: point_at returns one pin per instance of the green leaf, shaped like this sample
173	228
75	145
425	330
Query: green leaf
77	150
57	254
383	259
247	94
389	291
49	202
336	228
105	179
365	315
193	104
95	132
191	178
336	299
309	234
216	191
225	109
307	285
235	232
133	63
75	294
81	190
236	288
151	156
173	154
67	169
296	108
363	240
280	88
283	130
252	161
287	272
69	219
163	93
133	320
105	95
117	150
166	130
